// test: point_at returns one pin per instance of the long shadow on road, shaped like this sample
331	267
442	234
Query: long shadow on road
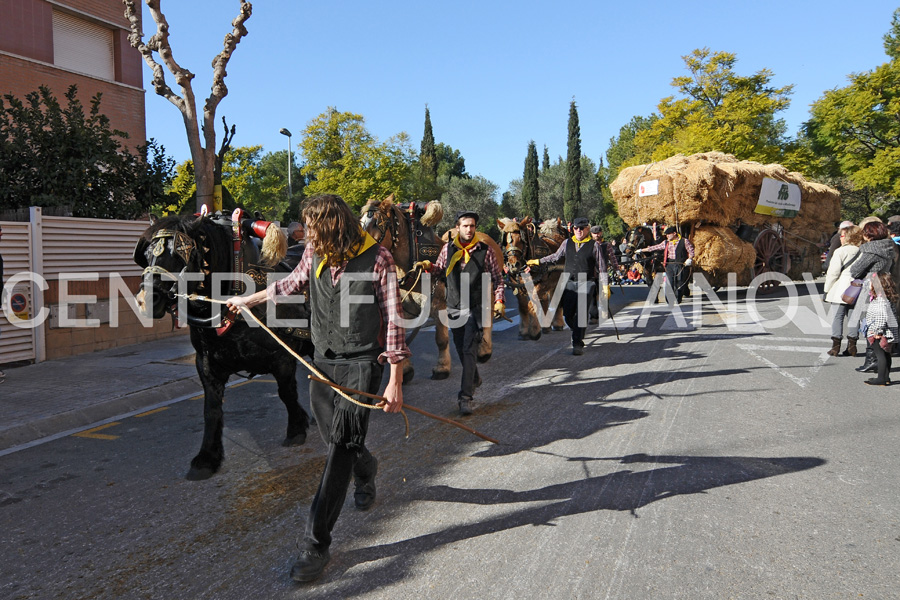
624	490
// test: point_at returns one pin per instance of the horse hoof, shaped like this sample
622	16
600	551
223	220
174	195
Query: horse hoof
439	375
484	358
297	440
408	376
198	474
555	328
545	330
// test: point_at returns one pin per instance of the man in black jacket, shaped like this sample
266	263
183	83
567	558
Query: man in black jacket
584	265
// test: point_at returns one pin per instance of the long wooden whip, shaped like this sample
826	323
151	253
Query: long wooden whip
320	377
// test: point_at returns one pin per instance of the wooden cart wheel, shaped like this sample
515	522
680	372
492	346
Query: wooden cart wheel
771	256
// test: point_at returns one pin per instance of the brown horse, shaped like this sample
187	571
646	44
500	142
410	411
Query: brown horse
407	231
521	242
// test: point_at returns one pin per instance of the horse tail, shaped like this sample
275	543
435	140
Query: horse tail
274	246
434	213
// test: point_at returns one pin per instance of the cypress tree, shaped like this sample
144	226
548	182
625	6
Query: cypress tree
546	163
530	183
427	155
572	189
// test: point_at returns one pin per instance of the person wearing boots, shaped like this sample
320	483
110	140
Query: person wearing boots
677	259
881	325
354	323
837	279
463	261
584	265
876	255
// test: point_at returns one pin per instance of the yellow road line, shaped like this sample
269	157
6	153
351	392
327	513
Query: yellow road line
89	433
152	412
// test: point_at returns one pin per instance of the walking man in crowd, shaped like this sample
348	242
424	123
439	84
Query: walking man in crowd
584	265
677	260
464	262
340	265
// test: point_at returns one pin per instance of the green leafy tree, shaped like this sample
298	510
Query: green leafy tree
471	193
552	182
342	157
857	128
572	190
450	162
530	189
55	155
717	110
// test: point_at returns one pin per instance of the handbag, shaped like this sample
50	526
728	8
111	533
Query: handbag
852	292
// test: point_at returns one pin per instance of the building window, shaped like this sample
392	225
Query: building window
83	46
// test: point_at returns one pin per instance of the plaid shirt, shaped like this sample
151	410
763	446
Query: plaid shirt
386	294
490	265
670	248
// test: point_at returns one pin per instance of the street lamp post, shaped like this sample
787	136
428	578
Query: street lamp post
284	131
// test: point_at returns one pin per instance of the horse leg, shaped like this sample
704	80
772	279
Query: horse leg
209	459
524	316
442	338
285	374
408	371
486	346
535	331
558	323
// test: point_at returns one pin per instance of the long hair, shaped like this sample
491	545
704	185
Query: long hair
335	230
853	236
884	285
875	230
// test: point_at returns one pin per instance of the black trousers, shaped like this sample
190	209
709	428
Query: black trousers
466	339
347	454
883	358
676	276
569	304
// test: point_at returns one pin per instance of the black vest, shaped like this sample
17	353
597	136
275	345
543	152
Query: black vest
681	254
363	331
581	260
472	271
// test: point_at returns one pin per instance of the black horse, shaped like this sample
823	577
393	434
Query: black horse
174	247
636	239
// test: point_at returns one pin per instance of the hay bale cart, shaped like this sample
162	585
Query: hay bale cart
724	206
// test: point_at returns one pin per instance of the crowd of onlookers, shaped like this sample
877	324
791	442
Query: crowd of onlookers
861	280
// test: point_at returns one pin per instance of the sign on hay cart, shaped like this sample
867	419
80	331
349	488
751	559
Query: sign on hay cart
742	216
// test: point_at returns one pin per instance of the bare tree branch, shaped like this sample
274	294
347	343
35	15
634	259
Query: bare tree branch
219	90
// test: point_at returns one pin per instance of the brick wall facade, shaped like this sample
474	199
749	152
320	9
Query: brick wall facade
26	60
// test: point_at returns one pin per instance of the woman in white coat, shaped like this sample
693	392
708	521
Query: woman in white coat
837	279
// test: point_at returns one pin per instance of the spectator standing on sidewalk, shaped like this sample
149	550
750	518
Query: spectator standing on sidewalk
836	281
881	325
876	255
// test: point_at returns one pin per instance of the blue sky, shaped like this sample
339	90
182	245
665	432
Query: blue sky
497	74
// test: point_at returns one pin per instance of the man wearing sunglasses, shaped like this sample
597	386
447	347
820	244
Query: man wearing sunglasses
584	264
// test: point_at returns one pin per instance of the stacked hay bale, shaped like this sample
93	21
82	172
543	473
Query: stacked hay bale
714	193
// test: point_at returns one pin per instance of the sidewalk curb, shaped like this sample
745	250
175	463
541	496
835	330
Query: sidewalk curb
28	432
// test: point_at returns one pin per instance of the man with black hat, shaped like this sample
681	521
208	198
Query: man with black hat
584	264
677	259
464	261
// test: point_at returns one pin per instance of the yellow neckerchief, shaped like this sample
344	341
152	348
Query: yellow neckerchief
676	240
367	242
463	250
579	242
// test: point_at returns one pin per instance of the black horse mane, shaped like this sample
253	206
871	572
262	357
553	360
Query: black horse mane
205	232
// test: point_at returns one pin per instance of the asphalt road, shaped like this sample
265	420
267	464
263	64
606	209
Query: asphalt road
704	457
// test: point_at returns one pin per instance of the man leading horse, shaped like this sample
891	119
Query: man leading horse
584	265
471	258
